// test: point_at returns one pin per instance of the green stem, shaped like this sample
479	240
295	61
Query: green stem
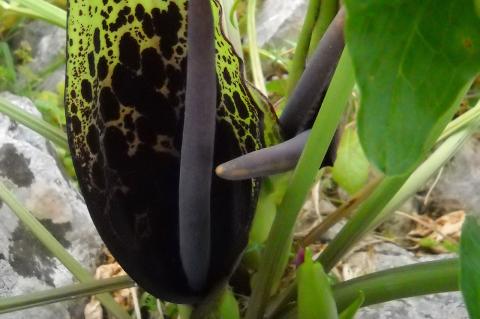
20	10
38	125
466	119
41	298
46	11
401	282
303	177
392	284
426	171
396	283
302	48
255	63
328	9
8	61
44	236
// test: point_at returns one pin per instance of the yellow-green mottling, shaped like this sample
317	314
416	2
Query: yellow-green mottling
125	97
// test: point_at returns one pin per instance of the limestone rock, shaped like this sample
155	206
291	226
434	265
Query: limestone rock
29	169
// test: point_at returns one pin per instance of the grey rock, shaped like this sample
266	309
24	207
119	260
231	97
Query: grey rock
29	169
280	21
460	180
48	44
47	41
439	306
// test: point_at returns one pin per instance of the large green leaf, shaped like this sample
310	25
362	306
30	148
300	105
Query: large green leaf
413	60
470	265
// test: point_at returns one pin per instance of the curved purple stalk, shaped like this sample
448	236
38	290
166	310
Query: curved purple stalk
306	97
268	161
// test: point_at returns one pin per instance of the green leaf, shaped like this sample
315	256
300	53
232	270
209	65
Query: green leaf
228	306
50	132
413	60
315	299
350	170
470	264
148	301
278	86
352	310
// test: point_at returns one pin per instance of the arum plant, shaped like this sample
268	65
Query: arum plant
170	143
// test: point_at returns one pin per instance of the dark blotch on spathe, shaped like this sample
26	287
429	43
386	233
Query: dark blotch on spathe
109	106
171	18
229	103
96	40
147	26
87	90
226	76
240	105
92	139
116	149
139	12
76	125
152	67
102	68
129	51
91	63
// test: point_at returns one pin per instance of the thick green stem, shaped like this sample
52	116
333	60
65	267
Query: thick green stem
393	284
328	9
402	282
302	48
44	236
426	171
38	125
255	63
464	120
303	177
41	298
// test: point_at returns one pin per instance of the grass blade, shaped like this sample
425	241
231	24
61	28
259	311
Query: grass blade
44	236
41	298
255	63
34	123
